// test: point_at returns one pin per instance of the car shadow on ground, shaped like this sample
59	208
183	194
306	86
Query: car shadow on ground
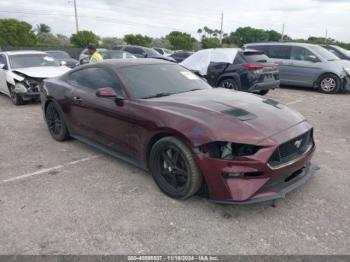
309	89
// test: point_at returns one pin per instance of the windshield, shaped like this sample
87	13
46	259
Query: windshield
31	60
324	53
146	81
59	55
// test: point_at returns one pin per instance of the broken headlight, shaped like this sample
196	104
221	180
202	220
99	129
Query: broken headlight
33	84
228	150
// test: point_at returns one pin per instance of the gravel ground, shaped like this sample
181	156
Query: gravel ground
68	198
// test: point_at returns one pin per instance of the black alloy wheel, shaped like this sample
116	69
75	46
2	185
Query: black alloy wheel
229	84
174	169
55	123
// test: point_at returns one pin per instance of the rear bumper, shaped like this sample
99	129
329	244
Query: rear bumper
265	86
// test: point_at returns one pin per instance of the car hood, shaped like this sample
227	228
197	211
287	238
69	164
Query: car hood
230	115
43	71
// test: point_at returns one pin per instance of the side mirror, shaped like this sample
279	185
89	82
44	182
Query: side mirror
145	55
3	66
312	58
106	92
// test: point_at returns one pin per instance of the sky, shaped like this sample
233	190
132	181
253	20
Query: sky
302	18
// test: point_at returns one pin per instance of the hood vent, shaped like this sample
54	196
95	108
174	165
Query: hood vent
241	114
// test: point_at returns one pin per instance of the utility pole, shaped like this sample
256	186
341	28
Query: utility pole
222	26
282	35
326	37
76	16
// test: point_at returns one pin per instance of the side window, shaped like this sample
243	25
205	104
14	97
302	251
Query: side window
117	48
134	50
279	51
300	53
95	78
3	60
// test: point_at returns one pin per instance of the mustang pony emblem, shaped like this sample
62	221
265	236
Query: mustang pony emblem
297	143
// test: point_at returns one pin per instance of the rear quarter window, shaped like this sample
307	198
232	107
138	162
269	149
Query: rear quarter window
256	58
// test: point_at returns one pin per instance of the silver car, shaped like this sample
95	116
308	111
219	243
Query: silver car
307	65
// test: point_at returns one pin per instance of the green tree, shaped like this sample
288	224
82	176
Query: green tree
16	33
42	29
83	38
138	39
162	43
212	42
110	42
244	35
48	39
62	40
180	40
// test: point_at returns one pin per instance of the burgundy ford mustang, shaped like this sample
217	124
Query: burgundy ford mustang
237	147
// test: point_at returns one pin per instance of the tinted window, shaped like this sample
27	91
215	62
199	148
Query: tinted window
256	58
263	48
279	51
300	53
117	48
160	51
95	78
149	80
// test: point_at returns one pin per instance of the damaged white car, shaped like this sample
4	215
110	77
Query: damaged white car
22	72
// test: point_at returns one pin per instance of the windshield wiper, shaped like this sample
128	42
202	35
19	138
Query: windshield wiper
158	95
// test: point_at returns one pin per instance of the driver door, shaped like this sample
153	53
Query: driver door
99	119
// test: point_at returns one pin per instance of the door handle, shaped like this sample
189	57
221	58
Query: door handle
77	98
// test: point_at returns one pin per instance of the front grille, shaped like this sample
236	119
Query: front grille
292	149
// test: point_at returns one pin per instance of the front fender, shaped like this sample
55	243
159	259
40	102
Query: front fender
12	77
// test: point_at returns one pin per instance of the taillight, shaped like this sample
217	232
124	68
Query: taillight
253	66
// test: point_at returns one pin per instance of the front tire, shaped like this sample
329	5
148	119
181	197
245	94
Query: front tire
329	84
56	123
229	84
173	168
15	98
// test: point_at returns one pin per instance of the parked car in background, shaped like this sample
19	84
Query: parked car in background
338	51
163	118
142	52
84	55
22	73
233	68
163	51
307	65
179	56
111	54
63	58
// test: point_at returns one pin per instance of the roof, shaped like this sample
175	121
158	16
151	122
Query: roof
281	43
119	63
24	52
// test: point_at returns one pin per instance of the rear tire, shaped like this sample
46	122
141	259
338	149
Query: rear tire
329	84
55	122
229	84
173	168
263	92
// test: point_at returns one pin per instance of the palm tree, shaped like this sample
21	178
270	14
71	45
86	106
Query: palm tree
42	29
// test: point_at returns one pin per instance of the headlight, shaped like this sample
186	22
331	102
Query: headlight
228	150
347	70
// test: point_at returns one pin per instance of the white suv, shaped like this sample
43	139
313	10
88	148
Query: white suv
22	72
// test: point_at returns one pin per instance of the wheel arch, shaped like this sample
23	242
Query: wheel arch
51	100
234	76
318	80
170	133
